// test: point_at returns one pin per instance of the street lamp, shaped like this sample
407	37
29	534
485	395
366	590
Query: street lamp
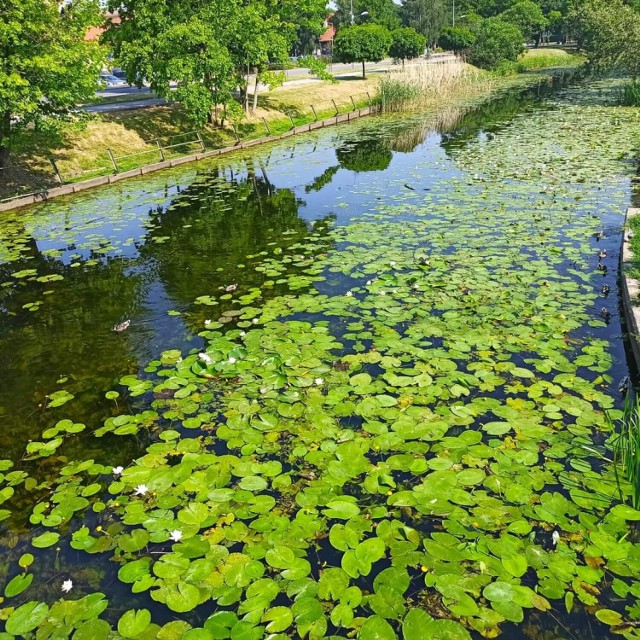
453	21
352	18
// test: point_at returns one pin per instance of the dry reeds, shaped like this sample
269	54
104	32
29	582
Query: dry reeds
425	82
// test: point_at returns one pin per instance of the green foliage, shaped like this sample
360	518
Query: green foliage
497	41
47	66
209	49
427	17
609	33
528	17
630	94
626	447
317	67
362	43
456	39
406	43
381	12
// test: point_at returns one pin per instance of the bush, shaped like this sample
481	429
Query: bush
456	39
496	42
630	95
406	43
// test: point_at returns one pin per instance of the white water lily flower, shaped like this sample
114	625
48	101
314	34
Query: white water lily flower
393	263
232	360
255	321
141	490
368	282
318	381
243	334
205	357
67	585
383	293
349	294
207	323
176	535
117	471
263	390
555	538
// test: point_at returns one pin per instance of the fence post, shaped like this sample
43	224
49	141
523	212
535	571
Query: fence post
335	106
160	150
113	160
315	115
266	124
56	171
235	133
353	102
369	97
201	141
293	124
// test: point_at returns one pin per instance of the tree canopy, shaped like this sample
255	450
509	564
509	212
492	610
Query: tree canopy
427	17
456	39
528	17
208	48
406	43
362	43
497	41
46	66
381	12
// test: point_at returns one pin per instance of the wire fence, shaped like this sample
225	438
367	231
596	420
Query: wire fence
159	150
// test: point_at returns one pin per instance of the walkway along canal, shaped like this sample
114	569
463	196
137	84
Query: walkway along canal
351	385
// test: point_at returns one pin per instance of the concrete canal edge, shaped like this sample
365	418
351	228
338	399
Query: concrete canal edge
630	290
56	192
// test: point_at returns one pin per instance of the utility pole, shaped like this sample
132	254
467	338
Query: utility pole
453	21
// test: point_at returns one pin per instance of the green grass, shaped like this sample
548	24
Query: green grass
547	59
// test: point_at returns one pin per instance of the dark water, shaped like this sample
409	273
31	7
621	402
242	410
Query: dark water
145	251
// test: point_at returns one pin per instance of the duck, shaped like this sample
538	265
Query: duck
602	254
605	290
605	313
231	287
122	326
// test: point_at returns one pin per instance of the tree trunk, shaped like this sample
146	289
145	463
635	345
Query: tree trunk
363	73
255	94
5	130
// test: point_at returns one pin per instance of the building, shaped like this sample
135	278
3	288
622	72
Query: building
327	38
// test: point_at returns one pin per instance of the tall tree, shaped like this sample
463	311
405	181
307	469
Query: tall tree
609	33
46	66
427	17
528	17
382	12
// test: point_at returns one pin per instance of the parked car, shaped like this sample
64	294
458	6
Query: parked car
112	81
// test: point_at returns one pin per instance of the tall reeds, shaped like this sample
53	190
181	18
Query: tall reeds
424	82
626	449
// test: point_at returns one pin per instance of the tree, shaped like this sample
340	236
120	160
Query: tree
46	66
361	43
528	17
426	16
456	39
497	41
609	33
364	155
382	12
406	43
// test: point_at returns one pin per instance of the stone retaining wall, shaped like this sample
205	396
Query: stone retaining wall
630	291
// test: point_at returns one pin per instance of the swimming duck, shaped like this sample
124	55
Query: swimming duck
122	326
605	313
605	290
602	254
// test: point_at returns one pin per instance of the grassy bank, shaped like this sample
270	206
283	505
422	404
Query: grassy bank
133	138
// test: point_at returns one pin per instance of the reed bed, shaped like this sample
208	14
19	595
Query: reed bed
424	83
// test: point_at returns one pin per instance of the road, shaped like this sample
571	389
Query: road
141	98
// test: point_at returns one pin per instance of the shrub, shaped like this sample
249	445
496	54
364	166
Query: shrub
456	39
496	42
630	95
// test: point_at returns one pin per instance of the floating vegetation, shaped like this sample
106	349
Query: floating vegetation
394	422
